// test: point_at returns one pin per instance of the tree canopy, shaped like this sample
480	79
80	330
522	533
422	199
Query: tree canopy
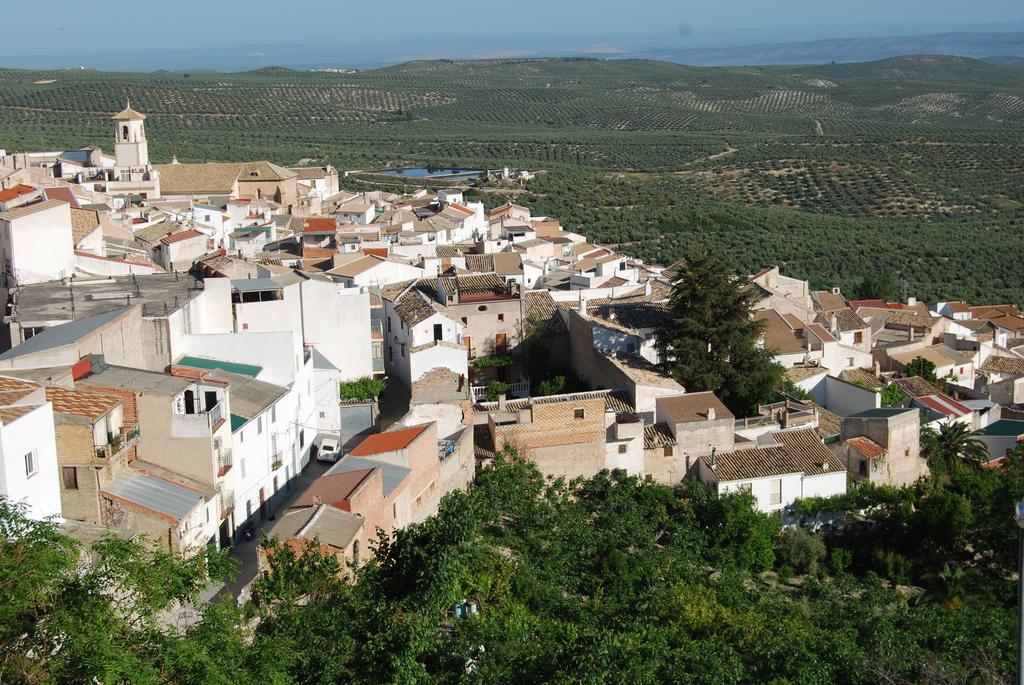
611	579
710	342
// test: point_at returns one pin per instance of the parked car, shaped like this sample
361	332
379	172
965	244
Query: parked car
328	449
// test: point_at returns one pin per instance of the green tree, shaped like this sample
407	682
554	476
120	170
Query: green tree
710	341
952	444
878	286
363	389
892	396
800	549
919	366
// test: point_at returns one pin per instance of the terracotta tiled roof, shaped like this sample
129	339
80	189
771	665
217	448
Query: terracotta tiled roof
658	435
693	407
540	307
906	319
779	336
15	192
866	446
333	489
915	386
83	222
846	320
389	441
129	114
181	235
11	414
799	451
862	377
29	210
1009	365
91	405
127	397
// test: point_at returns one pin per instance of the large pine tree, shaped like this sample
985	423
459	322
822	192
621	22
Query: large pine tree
710	342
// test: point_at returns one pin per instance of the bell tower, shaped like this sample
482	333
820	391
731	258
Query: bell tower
130	147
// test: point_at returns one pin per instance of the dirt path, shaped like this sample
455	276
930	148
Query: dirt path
728	151
818	129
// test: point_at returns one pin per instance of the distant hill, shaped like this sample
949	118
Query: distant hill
963	44
1007	60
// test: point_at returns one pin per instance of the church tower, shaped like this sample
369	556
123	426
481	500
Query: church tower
130	147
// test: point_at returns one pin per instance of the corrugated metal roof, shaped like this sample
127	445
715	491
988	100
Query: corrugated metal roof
64	334
163	496
392	475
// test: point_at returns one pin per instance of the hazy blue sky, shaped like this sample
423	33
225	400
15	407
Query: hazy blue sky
66	27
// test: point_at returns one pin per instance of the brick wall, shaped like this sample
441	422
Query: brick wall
558	442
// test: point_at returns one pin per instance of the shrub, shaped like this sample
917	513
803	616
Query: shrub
365	388
800	549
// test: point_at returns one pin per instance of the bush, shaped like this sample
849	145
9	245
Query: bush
495	388
800	549
551	386
365	388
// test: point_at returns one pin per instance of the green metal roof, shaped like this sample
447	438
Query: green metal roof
234	367
237	422
881	412
1004	428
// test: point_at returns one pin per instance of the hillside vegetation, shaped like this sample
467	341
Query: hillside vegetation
923	152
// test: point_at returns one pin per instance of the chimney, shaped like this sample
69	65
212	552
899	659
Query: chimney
454	298
834	323
583	304
711	413
714	458
878	369
824	466
501	401
316	501
835	291
911	301
911	334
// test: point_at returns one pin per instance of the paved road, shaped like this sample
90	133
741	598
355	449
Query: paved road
245	551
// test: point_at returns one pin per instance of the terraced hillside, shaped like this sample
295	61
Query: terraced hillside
891	147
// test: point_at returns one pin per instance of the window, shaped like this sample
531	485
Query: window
775	493
241	467
402	349
273	413
863	467
355	552
69	474
31	464
667	450
391	353
438	332
858	337
259	425
482	308
323	414
248	508
302	439
623	448
577	413
849	361
745	487
389	324
275	483
906	452
501	317
464	321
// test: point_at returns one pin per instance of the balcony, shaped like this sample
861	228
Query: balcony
118	443
515	390
215	416
376	329
307	354
224	462
277	462
378	365
227	503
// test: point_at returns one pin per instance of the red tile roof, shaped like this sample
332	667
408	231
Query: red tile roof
388	442
333	489
320	223
462	208
866	446
376	251
15	192
182	235
62	193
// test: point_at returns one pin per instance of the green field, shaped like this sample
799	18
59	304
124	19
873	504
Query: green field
910	165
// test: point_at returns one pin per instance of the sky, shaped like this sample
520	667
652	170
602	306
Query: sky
74	28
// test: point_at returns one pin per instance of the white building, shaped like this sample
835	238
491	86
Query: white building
790	465
28	455
36	243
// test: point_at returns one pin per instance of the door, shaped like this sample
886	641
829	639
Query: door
263	504
469	345
210	396
500	342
